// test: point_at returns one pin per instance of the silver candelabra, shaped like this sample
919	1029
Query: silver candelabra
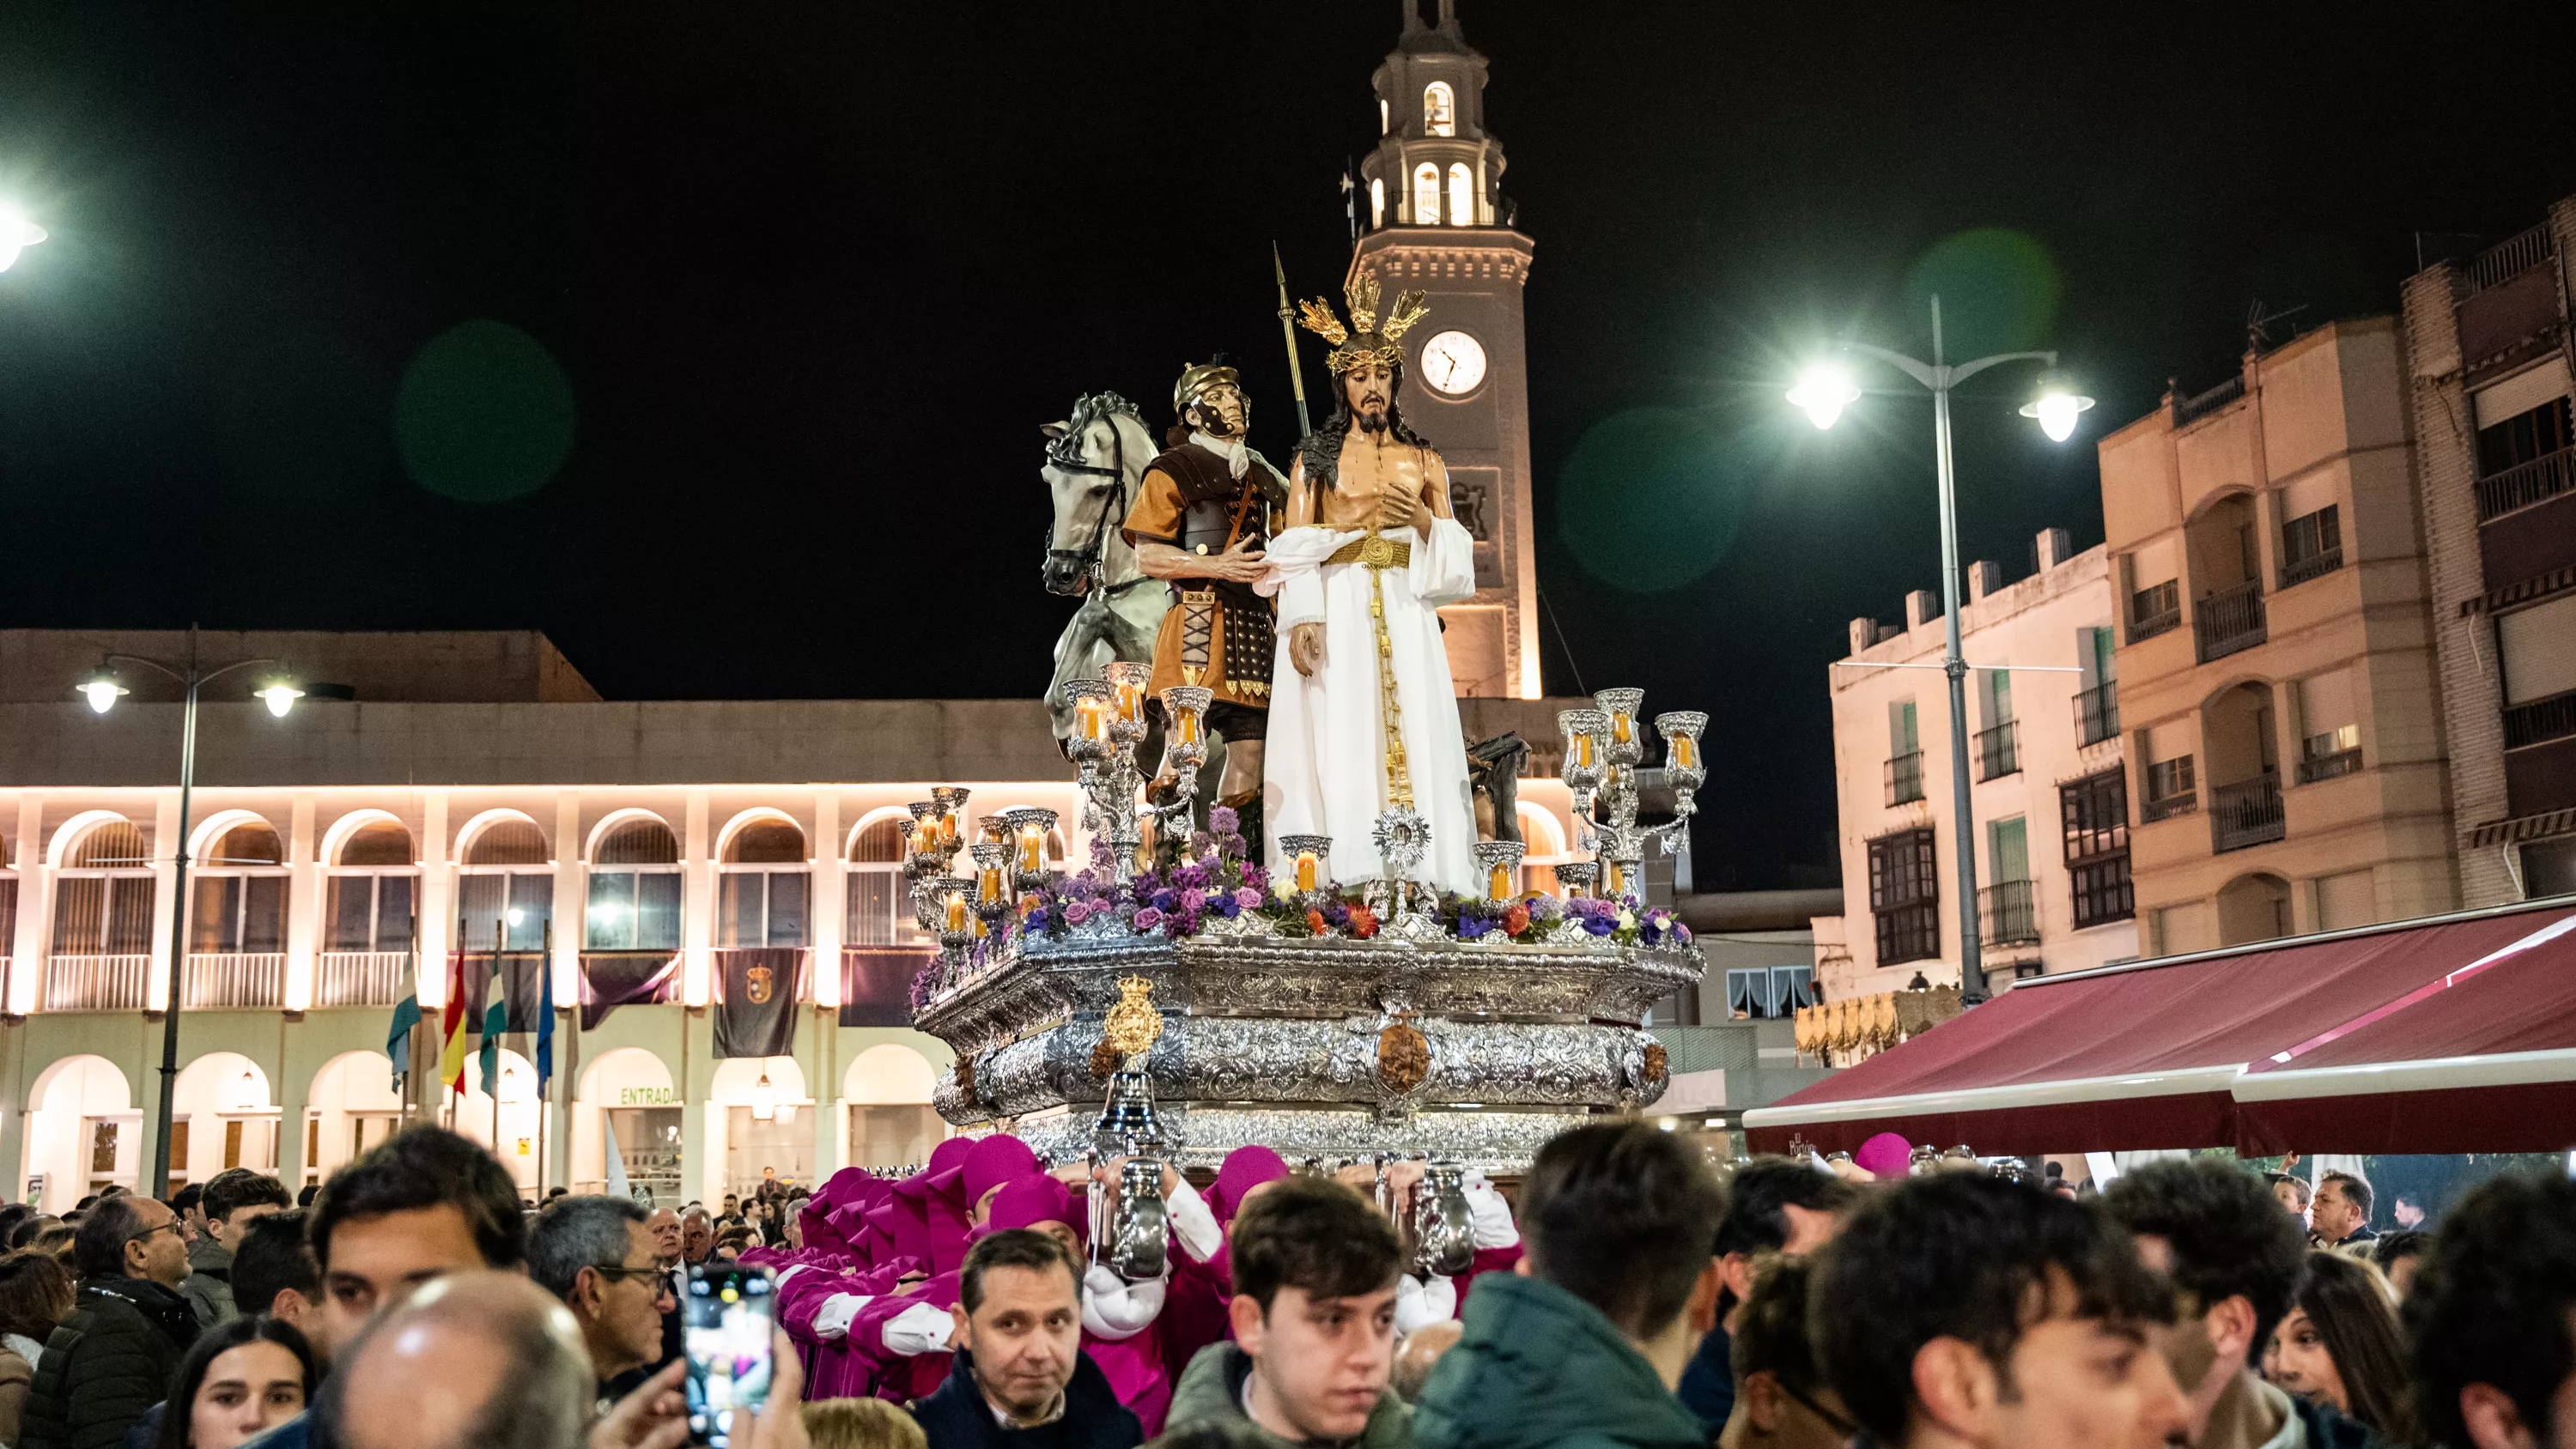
1109	723
1603	748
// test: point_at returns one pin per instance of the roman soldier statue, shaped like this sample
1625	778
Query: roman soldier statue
1201	521
1365	720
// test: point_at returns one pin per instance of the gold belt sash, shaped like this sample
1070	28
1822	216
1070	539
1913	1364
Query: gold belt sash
1376	550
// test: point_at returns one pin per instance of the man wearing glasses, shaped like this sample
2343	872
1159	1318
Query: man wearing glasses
112	1359
598	1255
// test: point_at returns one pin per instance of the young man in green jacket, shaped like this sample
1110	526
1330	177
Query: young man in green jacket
1583	1346
1313	1314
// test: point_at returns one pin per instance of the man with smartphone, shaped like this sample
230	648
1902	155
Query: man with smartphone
1019	1378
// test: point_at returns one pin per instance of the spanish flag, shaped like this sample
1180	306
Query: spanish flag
451	1020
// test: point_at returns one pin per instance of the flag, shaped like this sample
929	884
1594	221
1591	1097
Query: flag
756	991
545	1026
496	1020
398	1037
451	1053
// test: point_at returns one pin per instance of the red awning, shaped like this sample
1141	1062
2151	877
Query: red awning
2150	1055
2481	1060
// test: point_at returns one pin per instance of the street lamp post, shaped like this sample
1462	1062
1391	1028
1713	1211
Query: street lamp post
102	689
1823	392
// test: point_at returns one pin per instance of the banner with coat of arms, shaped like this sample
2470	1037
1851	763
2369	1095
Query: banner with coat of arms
756	991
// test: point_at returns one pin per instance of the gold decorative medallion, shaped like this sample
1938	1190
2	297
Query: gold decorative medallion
1403	1055
759	978
1133	1024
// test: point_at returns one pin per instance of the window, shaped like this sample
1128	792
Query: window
1768	991
2329	739
2008	849
760	893
499	906
2097	703
880	912
634	889
2538	650
238	899
1382	117
1377	201
1426	195
2094	814
1462	195
2523	438
1439	110
1904	755
103	901
2311	546
2169	779
1905	896
2549	868
2155	609
372	911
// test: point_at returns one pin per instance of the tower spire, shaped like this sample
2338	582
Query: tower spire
1412	15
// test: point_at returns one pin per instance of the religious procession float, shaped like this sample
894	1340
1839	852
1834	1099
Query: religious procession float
1367	982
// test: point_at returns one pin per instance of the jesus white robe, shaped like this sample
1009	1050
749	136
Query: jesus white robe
1324	770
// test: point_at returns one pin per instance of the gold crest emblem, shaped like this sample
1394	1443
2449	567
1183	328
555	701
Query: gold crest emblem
759	978
1133	1024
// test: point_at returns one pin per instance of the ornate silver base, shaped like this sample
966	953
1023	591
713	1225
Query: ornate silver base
1494	1142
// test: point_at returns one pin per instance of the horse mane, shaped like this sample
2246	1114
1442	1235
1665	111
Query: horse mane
1096	407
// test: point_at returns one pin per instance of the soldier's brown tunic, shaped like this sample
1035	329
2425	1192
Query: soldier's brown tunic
1189	500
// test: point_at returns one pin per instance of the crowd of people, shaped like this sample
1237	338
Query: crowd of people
1628	1294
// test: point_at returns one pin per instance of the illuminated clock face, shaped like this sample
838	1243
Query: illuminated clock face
1453	363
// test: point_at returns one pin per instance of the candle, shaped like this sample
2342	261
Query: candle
1189	726
948	828
1611	881
925	840
1583	751
957	910
1091	712
1131	702
988	883
1305	870
1619	727
1032	849
1681	752
1499	884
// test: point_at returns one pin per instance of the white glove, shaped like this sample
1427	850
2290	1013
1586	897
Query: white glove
919	1329
1491	1215
1418	1303
1115	1309
832	1320
1193	1224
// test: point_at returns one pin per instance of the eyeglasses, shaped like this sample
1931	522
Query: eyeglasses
175	1225
623	1274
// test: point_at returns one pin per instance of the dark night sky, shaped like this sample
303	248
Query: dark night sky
814	273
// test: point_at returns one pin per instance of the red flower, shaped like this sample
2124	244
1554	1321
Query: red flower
1363	922
1030	902
1516	920
1315	921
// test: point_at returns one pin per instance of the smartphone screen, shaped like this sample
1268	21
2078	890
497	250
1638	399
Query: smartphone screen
726	1328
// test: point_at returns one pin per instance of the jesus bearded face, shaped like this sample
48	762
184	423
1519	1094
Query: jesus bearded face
1369	388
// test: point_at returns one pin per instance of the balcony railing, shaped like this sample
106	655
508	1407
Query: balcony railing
2510	258
2155	610
2008	914
1909	933
2542	719
2097	714
95	983
361	978
2169	806
2230	620
1905	778
2202	404
1999	751
2525	484
2245	813
2329	767
233	979
2314	566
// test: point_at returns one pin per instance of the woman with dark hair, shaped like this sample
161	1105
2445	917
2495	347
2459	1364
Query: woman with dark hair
240	1380
2340	1346
36	1293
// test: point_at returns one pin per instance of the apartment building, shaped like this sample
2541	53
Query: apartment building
2488	384
2275	662
2049	793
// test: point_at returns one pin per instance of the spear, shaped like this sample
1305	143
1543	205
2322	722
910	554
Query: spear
1288	334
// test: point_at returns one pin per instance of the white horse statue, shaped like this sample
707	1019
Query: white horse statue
1095	460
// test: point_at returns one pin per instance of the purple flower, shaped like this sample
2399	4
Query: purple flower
1472	927
1036	925
1191	875
1181	923
1147	919
1230	845
1101	856
1077	912
1193	899
1248	895
1227	906
1223	821
1255	878
1202	844
1162	900
1682	933
1547	908
1599	925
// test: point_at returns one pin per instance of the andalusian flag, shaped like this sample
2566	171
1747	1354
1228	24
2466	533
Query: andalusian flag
451	1056
496	1022
398	1038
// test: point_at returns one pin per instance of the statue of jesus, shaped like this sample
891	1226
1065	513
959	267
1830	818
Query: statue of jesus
1363	717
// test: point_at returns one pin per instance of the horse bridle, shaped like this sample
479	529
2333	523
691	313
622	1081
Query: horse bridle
1087	559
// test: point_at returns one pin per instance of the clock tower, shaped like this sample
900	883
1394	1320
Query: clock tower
1436	222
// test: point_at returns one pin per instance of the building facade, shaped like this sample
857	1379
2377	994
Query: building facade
2049	793
1437	222
2488	383
2275	662
477	809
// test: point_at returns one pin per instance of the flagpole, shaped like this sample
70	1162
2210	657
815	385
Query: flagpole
545	1049
500	924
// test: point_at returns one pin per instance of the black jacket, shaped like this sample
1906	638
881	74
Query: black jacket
107	1364
956	1417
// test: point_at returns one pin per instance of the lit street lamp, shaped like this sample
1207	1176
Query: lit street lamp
16	234
103	689
1822	392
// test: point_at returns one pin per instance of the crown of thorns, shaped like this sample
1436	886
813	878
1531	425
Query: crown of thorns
1365	339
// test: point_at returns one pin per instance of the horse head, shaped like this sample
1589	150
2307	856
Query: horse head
1093	461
